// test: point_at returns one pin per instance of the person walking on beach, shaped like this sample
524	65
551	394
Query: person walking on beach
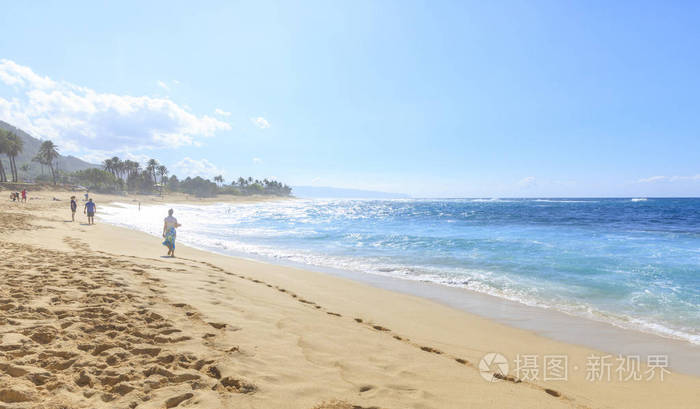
90	209
169	233
73	208
24	195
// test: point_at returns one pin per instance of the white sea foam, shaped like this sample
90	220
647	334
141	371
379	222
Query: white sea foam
491	200
564	201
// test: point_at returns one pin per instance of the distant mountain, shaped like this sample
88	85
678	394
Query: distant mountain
30	149
335	192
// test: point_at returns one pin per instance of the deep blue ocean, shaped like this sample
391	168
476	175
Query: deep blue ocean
634	263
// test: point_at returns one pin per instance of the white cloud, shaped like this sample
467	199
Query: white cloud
85	122
654	179
163	85
527	182
12	73
260	122
221	112
257	161
191	167
176	82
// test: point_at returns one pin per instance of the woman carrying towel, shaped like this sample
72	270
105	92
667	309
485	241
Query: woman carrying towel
169	225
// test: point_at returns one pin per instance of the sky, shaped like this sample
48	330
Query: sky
428	98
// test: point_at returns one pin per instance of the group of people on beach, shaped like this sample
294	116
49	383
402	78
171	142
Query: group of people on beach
170	223
19	197
89	209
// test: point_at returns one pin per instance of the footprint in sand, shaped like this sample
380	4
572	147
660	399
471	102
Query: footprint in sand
176	400
88	316
235	385
431	350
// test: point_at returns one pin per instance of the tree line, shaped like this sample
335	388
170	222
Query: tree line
117	175
126	175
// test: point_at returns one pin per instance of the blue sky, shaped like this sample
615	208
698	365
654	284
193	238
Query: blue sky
531	98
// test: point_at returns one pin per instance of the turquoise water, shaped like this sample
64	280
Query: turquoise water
634	263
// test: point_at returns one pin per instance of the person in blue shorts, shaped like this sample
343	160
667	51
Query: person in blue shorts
90	209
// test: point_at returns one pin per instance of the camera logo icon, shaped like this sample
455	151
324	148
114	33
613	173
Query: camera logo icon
493	363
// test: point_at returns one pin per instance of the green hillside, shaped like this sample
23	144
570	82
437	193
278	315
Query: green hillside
31	147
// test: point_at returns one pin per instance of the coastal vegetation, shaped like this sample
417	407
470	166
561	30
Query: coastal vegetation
127	176
25	159
120	175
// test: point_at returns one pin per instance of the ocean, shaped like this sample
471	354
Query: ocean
633	263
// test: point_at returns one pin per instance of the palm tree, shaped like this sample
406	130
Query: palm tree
3	149
219	179
162	172
26	168
13	147
47	155
36	159
127	168
135	167
131	168
118	165
151	168
108	165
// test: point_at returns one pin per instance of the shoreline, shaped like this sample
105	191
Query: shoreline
684	356
302	343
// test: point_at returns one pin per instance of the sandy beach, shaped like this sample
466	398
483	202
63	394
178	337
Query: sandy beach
95	316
